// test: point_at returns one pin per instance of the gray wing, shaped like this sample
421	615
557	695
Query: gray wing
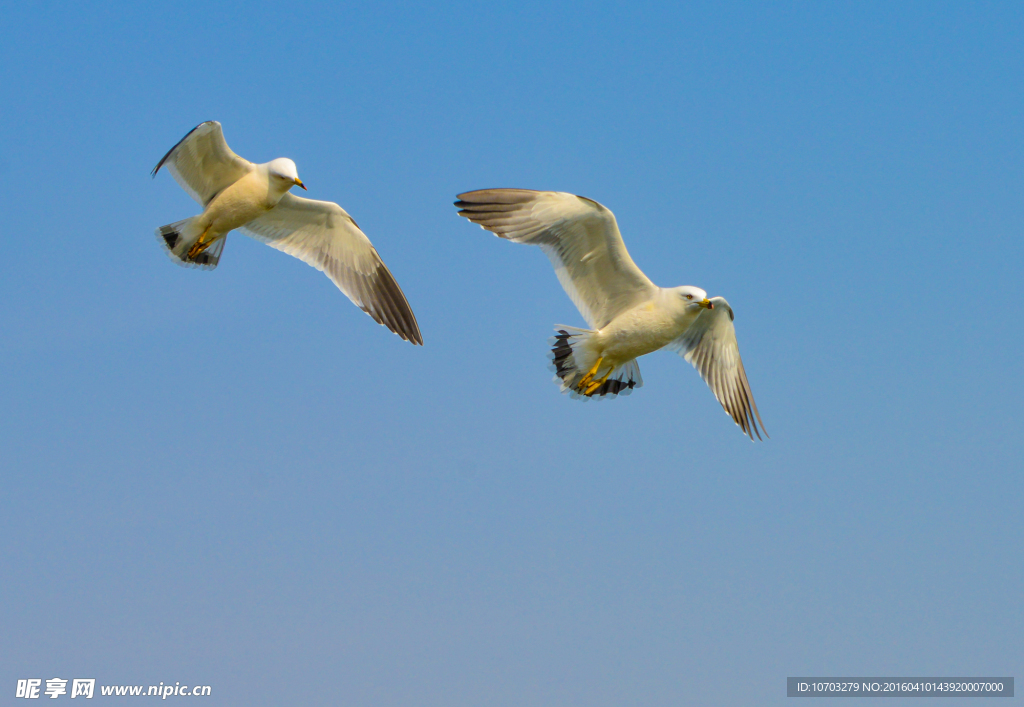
709	344
580	237
203	164
321	234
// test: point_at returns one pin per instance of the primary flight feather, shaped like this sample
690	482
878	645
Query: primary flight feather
237	194
628	314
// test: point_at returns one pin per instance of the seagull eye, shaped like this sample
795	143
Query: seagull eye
689	296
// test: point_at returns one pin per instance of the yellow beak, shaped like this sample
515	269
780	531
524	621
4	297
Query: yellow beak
298	183
706	303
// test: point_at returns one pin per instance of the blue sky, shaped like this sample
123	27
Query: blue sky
238	479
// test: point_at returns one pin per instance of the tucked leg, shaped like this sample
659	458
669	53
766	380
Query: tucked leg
596	385
590	374
200	245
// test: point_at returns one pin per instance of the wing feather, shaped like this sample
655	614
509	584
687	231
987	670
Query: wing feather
203	164
579	236
710	346
321	234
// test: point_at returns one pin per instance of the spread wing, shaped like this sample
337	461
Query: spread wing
321	234
203	164
710	346
579	236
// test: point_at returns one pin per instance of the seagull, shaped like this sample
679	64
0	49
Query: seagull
236	193
628	314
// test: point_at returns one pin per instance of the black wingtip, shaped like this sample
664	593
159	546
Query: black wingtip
396	313
170	151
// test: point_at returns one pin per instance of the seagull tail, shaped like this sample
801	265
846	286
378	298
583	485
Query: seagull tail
571	359
179	237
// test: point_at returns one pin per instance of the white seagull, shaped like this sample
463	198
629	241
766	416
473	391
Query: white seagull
236	193
628	314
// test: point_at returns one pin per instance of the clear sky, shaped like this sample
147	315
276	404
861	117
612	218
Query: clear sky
236	478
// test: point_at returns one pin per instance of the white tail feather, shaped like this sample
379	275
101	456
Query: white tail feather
571	359
179	237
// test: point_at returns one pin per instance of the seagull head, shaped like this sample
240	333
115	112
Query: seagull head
694	297
284	171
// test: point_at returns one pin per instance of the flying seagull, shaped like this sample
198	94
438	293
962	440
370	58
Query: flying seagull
628	314
236	193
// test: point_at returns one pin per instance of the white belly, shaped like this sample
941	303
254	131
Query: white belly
640	331
237	205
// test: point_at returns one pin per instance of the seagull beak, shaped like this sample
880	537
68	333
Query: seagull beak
706	303
298	183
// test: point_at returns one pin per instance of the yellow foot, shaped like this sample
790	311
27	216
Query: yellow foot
593	387
590	375
199	246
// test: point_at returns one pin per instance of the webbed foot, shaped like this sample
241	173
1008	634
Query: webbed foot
596	385
585	380
199	246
